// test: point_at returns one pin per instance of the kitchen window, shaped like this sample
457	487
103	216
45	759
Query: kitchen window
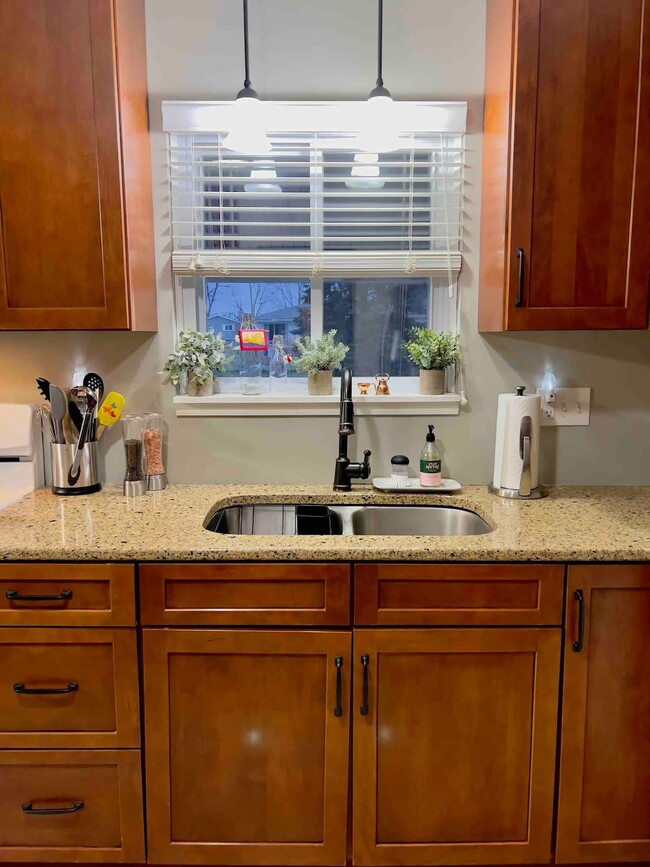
318	235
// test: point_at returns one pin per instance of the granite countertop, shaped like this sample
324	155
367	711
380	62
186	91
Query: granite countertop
573	523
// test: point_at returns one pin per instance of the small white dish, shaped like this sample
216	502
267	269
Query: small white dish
413	486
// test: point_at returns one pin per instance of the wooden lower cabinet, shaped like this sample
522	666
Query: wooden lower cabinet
69	688
247	745
71	805
604	795
454	745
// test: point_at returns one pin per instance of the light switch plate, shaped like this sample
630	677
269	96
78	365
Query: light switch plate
572	408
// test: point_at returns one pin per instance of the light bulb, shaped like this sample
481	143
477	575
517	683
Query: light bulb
549	384
365	173
261	174
247	134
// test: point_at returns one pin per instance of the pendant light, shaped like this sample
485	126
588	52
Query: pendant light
247	134
379	134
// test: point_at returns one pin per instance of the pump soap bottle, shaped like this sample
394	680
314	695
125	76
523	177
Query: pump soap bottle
430	463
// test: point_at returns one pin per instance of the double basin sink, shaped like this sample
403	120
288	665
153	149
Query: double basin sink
274	519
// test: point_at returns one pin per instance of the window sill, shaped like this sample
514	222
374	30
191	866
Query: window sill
297	404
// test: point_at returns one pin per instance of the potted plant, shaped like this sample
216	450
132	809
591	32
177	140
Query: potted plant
199	355
319	359
433	352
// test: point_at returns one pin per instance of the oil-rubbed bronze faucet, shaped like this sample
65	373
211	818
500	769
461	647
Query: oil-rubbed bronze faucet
344	469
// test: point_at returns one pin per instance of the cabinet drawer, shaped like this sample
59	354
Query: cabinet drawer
66	594
229	594
68	688
400	594
94	799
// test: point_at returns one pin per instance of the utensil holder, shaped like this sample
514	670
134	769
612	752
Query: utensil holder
86	482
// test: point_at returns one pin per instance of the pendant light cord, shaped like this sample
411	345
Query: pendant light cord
380	43
247	80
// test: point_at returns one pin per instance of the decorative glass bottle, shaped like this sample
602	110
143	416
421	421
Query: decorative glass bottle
278	365
250	362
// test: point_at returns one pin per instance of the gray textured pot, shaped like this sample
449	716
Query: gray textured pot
432	382
319	382
200	389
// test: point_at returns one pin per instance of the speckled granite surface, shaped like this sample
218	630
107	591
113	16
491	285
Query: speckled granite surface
573	523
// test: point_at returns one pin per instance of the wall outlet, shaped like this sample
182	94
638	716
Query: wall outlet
572	408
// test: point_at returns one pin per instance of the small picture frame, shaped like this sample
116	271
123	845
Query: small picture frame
253	339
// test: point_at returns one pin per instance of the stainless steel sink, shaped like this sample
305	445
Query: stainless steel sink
274	519
417	521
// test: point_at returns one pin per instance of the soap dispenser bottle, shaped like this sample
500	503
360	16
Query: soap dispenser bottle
430	463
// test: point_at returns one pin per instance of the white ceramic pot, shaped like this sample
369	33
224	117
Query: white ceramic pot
432	382
200	389
319	382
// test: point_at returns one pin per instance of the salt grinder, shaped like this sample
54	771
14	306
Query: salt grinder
153	445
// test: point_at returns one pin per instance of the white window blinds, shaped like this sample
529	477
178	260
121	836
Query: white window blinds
316	205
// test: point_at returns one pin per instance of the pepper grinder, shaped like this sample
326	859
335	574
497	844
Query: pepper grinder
153	443
134	480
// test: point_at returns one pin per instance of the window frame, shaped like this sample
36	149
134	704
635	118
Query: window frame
189	305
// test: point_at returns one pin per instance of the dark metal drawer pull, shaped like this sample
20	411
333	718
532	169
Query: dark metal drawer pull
21	689
365	660
15	596
338	710
51	811
579	642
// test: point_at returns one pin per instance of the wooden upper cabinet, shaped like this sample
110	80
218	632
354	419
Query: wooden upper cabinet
76	221
247	743
454	746
565	234
604	792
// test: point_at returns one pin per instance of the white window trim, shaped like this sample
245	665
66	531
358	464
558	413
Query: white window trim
403	401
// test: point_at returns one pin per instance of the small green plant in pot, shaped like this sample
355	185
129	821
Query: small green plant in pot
433	352
318	359
199	355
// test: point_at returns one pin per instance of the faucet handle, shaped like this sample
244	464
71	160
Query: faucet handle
365	466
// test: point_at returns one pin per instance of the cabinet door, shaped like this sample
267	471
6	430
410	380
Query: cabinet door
454	745
247	746
604	805
567	165
76	245
59	167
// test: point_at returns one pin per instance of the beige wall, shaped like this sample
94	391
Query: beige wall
434	50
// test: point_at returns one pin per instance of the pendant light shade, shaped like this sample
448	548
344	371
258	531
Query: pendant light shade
379	133
247	134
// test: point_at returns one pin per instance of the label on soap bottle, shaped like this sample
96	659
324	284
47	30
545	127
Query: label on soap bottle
431	473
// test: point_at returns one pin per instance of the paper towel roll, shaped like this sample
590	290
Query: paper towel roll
508	463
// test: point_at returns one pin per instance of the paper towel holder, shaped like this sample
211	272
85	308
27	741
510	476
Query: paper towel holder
524	491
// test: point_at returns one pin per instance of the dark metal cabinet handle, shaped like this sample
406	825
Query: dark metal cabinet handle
21	689
338	710
580	599
521	255
365	660
15	596
51	811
